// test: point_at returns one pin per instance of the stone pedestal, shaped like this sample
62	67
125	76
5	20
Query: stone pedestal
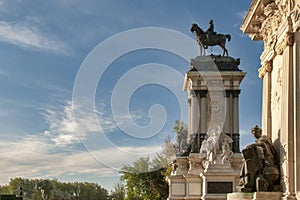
182	165
194	187
254	196
177	187
218	180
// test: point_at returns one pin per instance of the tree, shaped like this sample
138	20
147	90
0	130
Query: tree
44	189
6	189
168	150
180	128
145	179
118	192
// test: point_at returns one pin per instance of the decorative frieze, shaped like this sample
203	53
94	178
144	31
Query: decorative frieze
266	16
285	6
270	25
295	17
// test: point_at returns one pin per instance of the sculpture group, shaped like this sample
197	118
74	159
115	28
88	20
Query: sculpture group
216	147
210	38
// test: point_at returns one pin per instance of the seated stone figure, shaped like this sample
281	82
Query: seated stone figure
260	169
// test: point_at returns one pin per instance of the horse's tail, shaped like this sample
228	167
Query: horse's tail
228	37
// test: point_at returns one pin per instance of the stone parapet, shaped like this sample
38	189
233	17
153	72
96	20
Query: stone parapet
254	196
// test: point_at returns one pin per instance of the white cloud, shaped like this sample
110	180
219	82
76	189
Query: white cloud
33	156
63	127
30	157
28	36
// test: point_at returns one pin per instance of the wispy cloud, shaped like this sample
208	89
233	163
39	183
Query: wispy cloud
63	127
29	36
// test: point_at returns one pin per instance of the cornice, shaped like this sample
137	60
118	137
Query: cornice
264	17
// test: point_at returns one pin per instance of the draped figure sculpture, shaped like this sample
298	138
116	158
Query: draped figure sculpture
260	169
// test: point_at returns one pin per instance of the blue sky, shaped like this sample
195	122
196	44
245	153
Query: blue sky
44	47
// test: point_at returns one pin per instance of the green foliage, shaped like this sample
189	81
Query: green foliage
146	186
40	189
6	189
118	192
145	179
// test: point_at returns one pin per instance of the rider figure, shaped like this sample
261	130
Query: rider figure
210	31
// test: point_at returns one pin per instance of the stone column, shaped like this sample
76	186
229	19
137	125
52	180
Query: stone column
265	74
235	121
202	127
194	113
296	61
227	112
194	123
287	126
190	133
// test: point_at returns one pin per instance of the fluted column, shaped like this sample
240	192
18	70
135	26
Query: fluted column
235	121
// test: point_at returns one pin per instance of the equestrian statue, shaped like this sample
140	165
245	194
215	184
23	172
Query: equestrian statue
210	38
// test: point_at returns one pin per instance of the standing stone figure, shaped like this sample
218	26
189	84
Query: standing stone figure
260	169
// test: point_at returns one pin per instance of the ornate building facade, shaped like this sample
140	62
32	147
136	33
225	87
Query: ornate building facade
277	24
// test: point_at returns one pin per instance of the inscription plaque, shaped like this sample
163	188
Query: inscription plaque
219	187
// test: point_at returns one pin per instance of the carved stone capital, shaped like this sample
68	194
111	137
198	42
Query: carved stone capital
203	93
235	93
266	67
193	93
227	93
289	38
287	41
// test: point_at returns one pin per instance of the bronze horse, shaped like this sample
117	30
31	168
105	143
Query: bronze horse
214	39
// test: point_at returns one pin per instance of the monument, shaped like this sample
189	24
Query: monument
210	168
277	24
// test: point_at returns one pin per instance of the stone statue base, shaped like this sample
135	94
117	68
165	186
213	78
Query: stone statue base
254	195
